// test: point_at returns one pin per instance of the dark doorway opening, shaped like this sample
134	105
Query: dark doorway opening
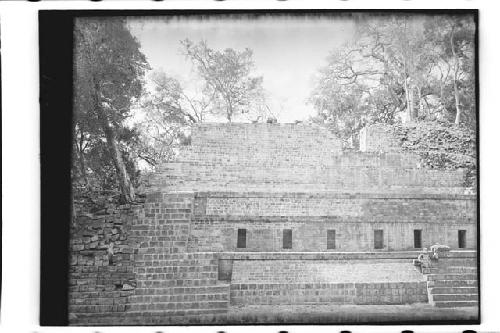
378	237
417	239
287	238
462	239
330	239
242	239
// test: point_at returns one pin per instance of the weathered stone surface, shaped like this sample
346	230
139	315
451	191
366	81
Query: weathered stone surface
174	258
294	158
378	138
101	282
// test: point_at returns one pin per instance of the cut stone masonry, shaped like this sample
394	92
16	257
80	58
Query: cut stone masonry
180	261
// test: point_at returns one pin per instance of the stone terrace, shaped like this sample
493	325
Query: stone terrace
184	262
293	158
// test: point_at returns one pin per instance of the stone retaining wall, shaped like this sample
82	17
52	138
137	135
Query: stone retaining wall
354	217
376	208
328	293
102	249
294	158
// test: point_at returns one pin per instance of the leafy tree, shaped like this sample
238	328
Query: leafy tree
396	66
108	79
170	97
229	84
453	38
168	111
441	146
341	106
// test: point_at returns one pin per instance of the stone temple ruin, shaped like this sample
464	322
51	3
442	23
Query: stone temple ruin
273	215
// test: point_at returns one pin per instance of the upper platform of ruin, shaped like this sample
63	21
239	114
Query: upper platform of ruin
265	157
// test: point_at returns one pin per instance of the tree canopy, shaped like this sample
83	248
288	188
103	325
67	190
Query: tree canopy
228	79
399	68
109	70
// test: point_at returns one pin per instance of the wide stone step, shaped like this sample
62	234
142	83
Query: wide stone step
172	229
166	244
214	289
162	314
163	235
453	283
161	230
455	262
147	270
154	227
178	269
164	260
197	255
154	263
453	290
158	239
455	297
179	298
455	304
452	270
177	275
292	293
175	283
161	250
295	300
207	305
459	276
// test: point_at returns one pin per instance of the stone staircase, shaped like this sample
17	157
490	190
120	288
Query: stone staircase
182	285
170	281
452	281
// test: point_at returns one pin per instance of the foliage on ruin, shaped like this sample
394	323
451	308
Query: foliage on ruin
399	68
167	111
109	70
441	146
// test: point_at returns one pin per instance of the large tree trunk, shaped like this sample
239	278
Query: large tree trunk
81	162
126	187
83	170
407	88
73	209
229	113
409	101
457	102
455	74
420	109
123	179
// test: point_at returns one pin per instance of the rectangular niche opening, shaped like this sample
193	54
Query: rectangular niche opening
287	238
330	239
462	239
378	239
242	239
417	238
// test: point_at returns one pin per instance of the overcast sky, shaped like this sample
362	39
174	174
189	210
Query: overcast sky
287	51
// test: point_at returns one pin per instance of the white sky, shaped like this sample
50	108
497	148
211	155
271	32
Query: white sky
287	51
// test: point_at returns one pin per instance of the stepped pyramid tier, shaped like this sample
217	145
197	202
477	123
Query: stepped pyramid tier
265	178
280	215
295	158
